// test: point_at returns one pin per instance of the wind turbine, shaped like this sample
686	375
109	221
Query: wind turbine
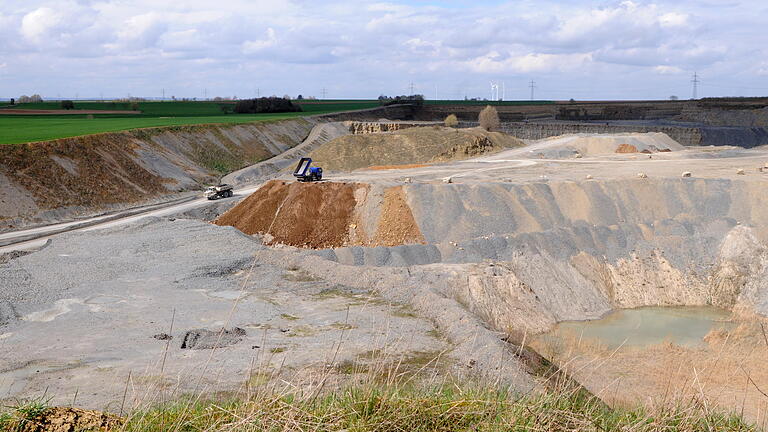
494	91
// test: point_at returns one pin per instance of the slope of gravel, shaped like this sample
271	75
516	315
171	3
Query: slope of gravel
409	146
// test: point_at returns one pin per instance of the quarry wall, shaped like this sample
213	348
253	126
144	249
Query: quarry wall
746	137
45	181
527	256
688	136
390	112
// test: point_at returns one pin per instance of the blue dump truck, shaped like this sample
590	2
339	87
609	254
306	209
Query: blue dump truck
306	173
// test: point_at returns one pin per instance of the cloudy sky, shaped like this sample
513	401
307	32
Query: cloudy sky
363	48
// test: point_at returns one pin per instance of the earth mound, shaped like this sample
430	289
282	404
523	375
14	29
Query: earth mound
594	145
315	215
326	215
410	146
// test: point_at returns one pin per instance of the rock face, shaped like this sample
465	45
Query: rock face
379	127
726	117
688	136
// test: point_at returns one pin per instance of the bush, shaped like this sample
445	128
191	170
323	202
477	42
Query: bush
266	105
417	100
451	121
67	105
489	118
134	106
35	98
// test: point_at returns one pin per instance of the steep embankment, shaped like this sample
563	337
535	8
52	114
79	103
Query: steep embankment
67	177
409	146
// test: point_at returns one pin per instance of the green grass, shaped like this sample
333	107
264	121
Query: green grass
21	129
15	129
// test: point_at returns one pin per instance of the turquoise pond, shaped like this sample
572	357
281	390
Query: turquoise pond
684	326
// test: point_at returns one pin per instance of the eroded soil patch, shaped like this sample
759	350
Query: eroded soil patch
315	215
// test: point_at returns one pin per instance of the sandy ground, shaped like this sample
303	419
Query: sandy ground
510	244
100	305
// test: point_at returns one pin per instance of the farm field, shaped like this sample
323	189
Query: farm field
16	129
19	128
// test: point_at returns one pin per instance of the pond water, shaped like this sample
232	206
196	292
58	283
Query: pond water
684	326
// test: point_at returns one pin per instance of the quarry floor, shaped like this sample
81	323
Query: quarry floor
97	317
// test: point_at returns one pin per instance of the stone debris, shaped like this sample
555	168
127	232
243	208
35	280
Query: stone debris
206	339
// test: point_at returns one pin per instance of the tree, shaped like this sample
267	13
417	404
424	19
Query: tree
265	105
13	101
134	106
489	118
673	98
67	105
451	121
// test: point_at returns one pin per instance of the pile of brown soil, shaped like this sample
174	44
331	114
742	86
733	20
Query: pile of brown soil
417	145
324	215
315	215
61	419
626	148
396	223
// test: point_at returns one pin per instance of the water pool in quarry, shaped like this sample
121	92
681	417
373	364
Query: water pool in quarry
642	327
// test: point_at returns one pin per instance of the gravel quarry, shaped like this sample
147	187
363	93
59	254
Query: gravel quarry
445	263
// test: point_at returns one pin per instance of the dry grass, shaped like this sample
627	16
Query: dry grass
399	405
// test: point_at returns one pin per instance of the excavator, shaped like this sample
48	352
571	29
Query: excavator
306	173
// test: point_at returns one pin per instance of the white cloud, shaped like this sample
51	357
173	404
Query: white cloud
494	63
255	46
38	23
373	44
667	70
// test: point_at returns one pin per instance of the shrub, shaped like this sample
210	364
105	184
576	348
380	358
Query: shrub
489	118
417	100
35	98
67	105
266	105
451	121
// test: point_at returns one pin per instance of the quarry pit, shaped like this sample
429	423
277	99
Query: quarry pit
465	251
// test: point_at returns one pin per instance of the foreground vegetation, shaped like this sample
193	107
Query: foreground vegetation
389	408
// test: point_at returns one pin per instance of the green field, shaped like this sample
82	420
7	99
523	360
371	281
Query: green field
16	129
